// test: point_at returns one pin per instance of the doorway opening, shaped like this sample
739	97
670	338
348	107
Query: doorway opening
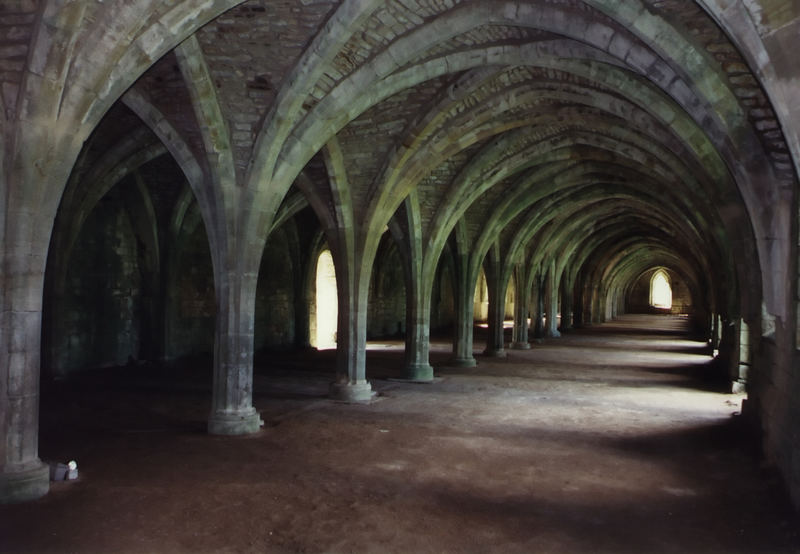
327	305
660	290
480	310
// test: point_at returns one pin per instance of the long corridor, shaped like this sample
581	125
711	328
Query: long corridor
609	439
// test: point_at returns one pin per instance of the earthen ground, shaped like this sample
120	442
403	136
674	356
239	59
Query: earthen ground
609	439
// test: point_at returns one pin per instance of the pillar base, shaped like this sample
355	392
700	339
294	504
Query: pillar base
521	345
422	373
552	334
495	353
359	392
462	362
243	422
25	485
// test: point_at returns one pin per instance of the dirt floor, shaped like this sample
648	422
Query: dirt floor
606	440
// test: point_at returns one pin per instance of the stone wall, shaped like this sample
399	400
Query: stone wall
16	26
274	322
99	312
443	306
100	322
386	315
190	305
638	300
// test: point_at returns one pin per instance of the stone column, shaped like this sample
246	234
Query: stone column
22	475
551	295
538	309
519	338
745	358
596	308
495	340
715	331
417	366
729	348
351	384
588	305
464	300
566	309
232	411
52	323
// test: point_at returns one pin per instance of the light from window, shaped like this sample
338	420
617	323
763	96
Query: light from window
327	302
660	291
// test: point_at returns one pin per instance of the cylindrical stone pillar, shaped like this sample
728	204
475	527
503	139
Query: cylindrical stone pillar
495	339
417	366
462	340
551	329
23	476
232	411
519	334
351	384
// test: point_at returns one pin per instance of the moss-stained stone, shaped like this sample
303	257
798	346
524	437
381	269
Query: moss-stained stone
771	15
274	315
101	308
190	310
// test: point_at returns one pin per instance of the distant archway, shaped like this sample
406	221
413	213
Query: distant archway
480	310
660	290
327	303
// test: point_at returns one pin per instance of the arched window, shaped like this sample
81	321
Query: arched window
511	293
327	302
660	290
480	311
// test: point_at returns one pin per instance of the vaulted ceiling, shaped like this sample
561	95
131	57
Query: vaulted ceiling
614	136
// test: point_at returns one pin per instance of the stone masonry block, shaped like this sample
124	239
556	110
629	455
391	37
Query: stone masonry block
22	423
619	46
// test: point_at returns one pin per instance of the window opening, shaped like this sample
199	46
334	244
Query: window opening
327	302
660	290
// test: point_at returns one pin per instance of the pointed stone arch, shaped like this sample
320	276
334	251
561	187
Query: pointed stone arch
660	290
